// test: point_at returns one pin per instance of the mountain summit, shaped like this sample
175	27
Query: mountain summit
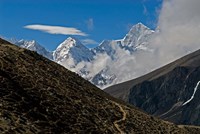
71	52
138	34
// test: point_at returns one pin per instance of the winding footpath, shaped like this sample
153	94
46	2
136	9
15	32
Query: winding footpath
122	119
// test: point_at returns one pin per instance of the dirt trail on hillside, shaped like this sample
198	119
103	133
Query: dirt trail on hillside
122	119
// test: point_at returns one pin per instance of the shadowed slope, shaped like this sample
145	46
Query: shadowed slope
171	92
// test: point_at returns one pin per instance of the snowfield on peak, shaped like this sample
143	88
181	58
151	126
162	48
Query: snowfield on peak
71	52
33	46
138	35
111	62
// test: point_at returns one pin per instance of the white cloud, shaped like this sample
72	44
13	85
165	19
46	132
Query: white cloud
89	42
179	31
56	29
90	24
179	24
98	64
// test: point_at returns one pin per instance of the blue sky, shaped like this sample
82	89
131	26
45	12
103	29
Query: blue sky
91	20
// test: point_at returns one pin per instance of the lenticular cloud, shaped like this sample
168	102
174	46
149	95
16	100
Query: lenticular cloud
56	29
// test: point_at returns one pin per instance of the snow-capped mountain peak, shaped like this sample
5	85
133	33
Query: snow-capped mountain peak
69	42
138	34
25	42
71	52
31	45
139	27
104	46
34	46
108	47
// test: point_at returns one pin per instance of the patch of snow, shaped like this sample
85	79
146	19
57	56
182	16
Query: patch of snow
195	89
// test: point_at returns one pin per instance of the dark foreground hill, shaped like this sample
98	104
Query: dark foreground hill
40	96
171	92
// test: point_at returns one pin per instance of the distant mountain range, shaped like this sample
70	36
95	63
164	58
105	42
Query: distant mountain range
108	64
171	92
40	96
